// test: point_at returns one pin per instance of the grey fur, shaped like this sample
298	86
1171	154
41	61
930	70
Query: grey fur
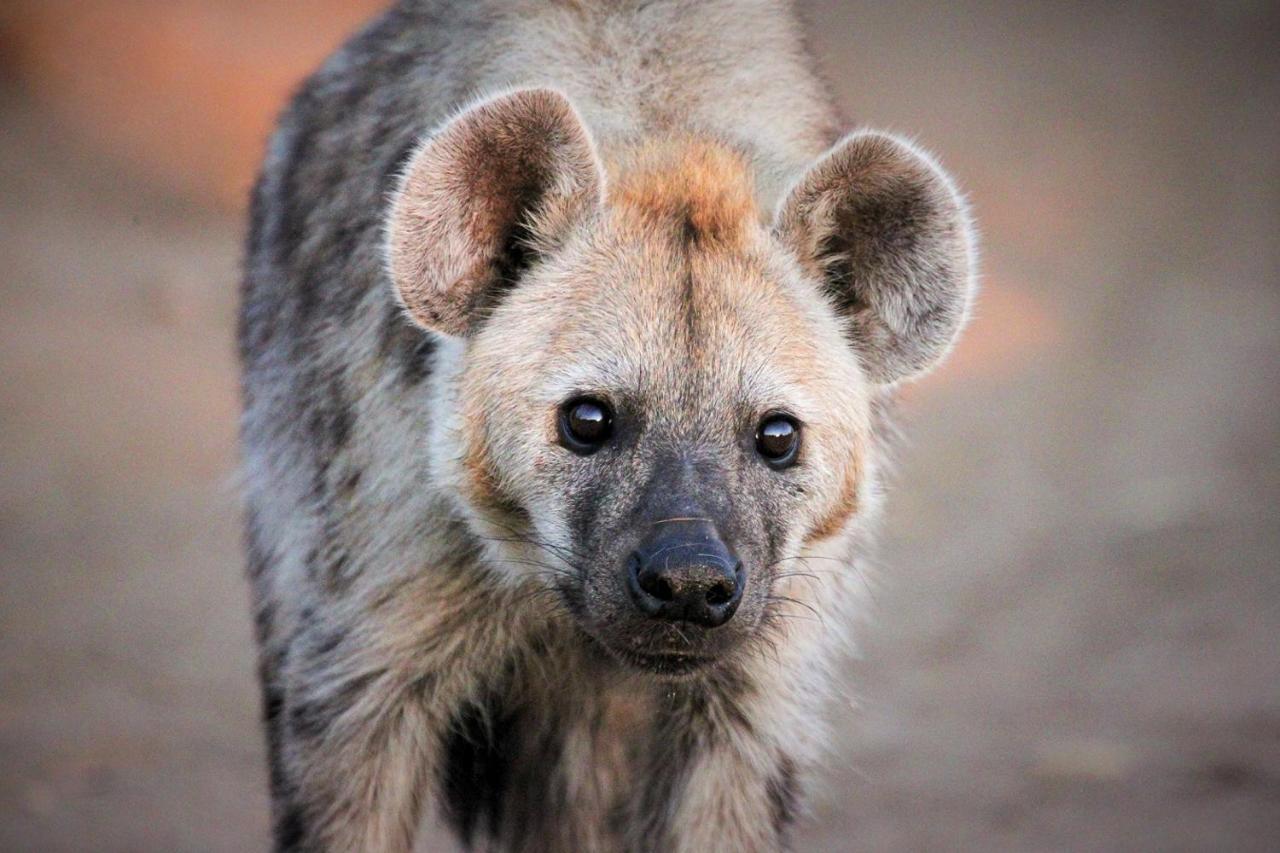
410	659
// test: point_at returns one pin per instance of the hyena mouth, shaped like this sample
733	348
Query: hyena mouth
672	651
669	664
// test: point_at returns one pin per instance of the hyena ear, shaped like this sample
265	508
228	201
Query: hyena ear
500	183
885	230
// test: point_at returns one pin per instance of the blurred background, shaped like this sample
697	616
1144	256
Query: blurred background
1077	640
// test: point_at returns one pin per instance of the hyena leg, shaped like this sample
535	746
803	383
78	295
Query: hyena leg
735	801
273	723
351	762
368	700
718	780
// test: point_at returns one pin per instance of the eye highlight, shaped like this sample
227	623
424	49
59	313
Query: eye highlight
778	440
585	424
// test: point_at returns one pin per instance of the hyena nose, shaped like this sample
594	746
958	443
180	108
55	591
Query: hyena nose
684	572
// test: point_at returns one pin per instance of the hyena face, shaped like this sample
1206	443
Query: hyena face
660	393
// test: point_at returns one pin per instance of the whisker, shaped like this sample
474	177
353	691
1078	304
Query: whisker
797	602
784	575
548	549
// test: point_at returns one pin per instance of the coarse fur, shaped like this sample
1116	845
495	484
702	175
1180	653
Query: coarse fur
473	212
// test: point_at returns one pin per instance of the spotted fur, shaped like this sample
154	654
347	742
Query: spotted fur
470	213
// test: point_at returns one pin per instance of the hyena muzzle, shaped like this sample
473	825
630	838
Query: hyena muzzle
568	329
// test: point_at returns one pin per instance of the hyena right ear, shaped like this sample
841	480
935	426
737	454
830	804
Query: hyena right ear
504	179
884	230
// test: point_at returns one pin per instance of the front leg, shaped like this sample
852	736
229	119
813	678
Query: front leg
368	691
720	777
737	797
352	765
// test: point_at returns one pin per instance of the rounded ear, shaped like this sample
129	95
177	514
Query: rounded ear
504	180
889	236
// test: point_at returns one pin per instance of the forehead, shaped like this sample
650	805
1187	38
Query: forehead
678	286
678	294
662	325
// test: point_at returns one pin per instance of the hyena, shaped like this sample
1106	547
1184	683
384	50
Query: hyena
567	332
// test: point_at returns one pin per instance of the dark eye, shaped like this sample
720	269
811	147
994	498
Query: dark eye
778	439
585	424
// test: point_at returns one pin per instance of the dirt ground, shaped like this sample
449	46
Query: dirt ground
1077	636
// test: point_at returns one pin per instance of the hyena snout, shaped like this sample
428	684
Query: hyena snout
684	572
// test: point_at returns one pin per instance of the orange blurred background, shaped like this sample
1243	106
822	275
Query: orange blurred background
183	89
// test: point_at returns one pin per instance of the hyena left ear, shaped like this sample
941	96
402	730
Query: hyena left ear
504	180
888	235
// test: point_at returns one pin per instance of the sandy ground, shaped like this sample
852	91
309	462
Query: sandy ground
1077	638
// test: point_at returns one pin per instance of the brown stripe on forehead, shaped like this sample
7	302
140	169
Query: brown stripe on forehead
698	188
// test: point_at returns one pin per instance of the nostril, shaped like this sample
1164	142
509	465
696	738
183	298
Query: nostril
659	586
651	590
719	593
725	589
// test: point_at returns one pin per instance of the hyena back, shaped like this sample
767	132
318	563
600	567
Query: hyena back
565	333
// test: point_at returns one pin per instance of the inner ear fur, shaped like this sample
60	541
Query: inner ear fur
889	237
505	178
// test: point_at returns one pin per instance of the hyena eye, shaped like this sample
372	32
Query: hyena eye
585	424
778	440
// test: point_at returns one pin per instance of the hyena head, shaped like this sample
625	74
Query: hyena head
657	394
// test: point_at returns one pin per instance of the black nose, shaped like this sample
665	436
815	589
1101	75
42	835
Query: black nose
684	572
